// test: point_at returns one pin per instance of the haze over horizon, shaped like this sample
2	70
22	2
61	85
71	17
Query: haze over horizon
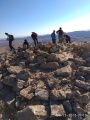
21	17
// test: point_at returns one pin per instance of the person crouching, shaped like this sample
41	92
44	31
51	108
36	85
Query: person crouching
25	45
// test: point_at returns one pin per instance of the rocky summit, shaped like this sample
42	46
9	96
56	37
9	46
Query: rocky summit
46	82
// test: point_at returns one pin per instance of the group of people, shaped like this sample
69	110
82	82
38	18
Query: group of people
61	36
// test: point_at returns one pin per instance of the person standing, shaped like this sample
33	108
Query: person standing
60	35
53	36
34	37
10	39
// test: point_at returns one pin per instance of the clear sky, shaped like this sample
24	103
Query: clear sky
21	17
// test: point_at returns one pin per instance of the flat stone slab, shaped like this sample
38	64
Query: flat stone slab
57	111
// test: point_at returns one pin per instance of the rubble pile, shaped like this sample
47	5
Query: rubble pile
46	82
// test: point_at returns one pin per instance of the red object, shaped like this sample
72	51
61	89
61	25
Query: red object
35	34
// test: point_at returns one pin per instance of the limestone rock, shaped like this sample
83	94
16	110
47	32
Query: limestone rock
57	111
42	94
14	69
84	69
19	85
54	49
8	96
25	114
52	65
82	84
20	49
80	61
68	107
43	53
58	94
28	54
78	109
9	80
52	57
23	75
65	71
41	60
84	98
27	93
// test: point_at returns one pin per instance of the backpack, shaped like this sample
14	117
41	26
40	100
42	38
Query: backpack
35	34
11	37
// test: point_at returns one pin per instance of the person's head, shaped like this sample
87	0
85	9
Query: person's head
53	30
60	28
25	40
6	33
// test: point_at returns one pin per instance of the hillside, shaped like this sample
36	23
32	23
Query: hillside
46	82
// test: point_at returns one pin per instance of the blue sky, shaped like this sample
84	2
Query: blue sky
21	17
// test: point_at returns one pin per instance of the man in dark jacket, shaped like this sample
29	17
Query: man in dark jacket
10	39
34	37
67	38
60	35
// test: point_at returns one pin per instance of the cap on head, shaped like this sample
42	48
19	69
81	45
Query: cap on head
25	40
6	33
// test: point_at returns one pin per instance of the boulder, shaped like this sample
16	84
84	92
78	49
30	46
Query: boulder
60	94
9	80
41	60
65	71
8	96
20	49
78	109
41	85
42	94
54	49
14	69
27	93
23	75
80	61
57	111
67	107
25	114
52	57
40	111
19	85
43	53
64	56
84	98
28	54
50	65
82	84
84	69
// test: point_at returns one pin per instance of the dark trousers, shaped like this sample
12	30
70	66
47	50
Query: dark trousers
35	41
10	45
53	41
